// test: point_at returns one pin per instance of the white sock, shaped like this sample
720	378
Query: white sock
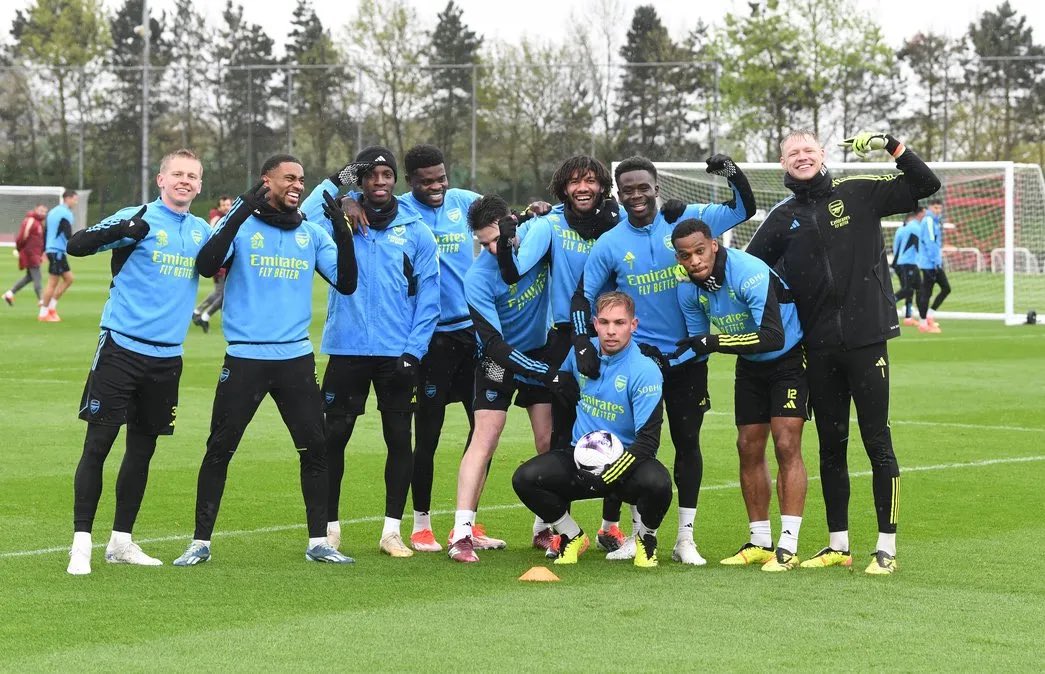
43	310
206	543
930	313
119	539
539	525
82	541
838	540
887	543
205	316
789	526
422	521
636	520
567	525
53	304
391	527
607	525
463	521
651	532
761	533
686	517
313	542
334	527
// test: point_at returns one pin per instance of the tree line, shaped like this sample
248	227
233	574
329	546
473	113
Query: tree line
72	77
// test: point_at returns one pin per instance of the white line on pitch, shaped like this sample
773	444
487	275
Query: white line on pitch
513	506
942	424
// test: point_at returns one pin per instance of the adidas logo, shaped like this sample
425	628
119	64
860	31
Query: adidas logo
790	405
794	224
881	362
379	157
582	351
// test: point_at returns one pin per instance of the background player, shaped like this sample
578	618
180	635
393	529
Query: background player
59	227
756	319
626	401
137	366
30	246
271	253
905	258
845	318
211	304
930	262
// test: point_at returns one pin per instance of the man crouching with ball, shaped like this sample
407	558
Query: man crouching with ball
626	401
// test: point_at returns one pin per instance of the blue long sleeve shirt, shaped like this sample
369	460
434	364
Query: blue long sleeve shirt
56	236
752	310
510	320
154	281
395	307
905	243
449	224
640	261
625	400
930	243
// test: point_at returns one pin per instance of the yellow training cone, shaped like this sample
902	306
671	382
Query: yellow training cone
539	574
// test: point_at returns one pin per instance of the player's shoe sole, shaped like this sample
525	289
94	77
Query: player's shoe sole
749	553
609	540
828	557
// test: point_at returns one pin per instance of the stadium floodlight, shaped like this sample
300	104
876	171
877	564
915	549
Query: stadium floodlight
17	200
994	236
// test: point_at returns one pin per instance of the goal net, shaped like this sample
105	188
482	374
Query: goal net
994	226
17	200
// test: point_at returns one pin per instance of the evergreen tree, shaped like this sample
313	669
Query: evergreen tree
452	43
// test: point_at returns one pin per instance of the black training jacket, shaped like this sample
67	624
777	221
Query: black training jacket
826	241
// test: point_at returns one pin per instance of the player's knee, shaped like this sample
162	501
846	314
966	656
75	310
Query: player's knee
524	479
313	459
99	440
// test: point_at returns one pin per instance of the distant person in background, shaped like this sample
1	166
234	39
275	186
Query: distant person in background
29	243
212	303
930	261
905	261
58	229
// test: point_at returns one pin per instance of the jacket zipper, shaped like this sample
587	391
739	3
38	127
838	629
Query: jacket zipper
830	275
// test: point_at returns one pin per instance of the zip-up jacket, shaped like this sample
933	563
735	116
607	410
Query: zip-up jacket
905	243
826	241
752	309
396	303
59	228
154	281
626	399
930	236
510	320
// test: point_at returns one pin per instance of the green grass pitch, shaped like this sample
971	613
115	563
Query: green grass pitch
969	428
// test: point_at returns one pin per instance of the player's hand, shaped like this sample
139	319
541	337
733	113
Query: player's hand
869	141
256	198
587	356
408	367
608	212
507	228
590	481
700	344
135	228
617	470
721	165
539	208
346	175
672	210
563	386
656	355
336	214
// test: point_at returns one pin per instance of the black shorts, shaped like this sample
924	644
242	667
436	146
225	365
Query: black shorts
448	369
347	380
293	385
775	388
57	264
686	388
495	387
125	387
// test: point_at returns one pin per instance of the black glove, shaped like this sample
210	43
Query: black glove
701	345
255	199
589	481
507	228
672	210
587	356
346	175
408	366
655	354
616	471
135	228
721	165
336	214
608	213
563	386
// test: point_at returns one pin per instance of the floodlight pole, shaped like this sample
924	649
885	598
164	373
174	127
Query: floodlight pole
145	100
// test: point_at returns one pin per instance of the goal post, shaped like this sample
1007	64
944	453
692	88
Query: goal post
994	232
17	200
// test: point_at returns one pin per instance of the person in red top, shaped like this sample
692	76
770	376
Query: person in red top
212	303
30	246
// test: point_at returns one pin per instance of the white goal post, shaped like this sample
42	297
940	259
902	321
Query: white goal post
994	214
17	200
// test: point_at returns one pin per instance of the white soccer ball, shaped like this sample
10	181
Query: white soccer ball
595	451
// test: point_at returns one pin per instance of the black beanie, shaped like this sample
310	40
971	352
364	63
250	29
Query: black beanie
375	155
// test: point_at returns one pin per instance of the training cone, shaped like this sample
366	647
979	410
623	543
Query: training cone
539	574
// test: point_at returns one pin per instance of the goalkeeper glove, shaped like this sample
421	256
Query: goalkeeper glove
701	345
256	198
135	228
672	210
721	165
870	141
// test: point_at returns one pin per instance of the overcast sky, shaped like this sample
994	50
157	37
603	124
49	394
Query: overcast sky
551	18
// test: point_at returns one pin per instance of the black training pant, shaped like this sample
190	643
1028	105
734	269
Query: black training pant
932	277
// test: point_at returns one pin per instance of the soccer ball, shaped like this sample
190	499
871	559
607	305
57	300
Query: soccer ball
595	451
